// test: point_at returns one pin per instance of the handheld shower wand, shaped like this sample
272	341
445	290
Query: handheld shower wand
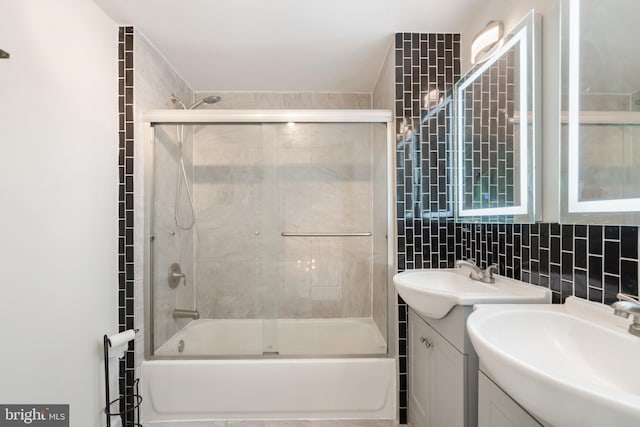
182	172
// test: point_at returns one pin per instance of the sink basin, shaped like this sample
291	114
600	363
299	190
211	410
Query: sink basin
573	364
433	293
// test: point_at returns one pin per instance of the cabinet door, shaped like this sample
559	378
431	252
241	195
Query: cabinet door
436	378
419	372
447	388
497	409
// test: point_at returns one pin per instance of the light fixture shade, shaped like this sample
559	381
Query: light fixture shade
487	41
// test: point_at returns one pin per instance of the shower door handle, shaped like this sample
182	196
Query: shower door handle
293	234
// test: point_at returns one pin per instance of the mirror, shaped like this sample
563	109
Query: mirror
601	112
497	131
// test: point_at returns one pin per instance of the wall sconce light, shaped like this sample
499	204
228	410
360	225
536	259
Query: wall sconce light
4	54
487	42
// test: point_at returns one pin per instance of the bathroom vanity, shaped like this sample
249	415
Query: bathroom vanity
443	365
447	385
555	361
497	409
443	371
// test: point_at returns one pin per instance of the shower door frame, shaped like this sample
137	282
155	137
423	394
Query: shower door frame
173	117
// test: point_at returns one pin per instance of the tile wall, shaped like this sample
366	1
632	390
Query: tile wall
253	182
126	208
427	234
243	179
594	262
609	161
155	81
490	163
288	100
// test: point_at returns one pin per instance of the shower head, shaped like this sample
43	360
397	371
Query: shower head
207	100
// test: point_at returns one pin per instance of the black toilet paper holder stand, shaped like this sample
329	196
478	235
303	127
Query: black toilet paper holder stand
130	403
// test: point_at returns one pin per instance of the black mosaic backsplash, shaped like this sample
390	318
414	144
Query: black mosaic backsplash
125	211
594	262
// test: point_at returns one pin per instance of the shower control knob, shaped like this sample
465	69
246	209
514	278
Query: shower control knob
175	275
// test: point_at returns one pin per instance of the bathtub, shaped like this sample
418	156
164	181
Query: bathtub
294	337
282	388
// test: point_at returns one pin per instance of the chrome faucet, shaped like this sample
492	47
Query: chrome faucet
485	276
186	314
628	306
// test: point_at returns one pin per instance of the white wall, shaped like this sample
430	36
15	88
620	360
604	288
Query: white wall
58	186
511	12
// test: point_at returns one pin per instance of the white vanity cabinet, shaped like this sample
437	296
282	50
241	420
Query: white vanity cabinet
497	409
442	363
443	371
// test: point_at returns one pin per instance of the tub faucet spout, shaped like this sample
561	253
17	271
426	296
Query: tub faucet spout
186	314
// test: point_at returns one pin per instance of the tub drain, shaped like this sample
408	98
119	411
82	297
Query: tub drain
180	346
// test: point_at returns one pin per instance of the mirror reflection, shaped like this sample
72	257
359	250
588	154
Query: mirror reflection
496	135
601	104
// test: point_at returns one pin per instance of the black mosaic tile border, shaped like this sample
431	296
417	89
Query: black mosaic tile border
426	229
594	262
125	211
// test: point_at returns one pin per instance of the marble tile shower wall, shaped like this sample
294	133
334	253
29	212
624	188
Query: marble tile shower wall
268	279
288	100
155	80
609	163
253	182
427	234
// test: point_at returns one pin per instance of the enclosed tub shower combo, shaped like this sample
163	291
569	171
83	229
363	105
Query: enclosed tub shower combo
268	265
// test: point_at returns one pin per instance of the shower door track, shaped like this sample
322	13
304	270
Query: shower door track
268	116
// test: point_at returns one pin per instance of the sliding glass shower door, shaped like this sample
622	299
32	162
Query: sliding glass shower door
289	251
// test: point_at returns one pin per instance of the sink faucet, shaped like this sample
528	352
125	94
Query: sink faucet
485	276
629	305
